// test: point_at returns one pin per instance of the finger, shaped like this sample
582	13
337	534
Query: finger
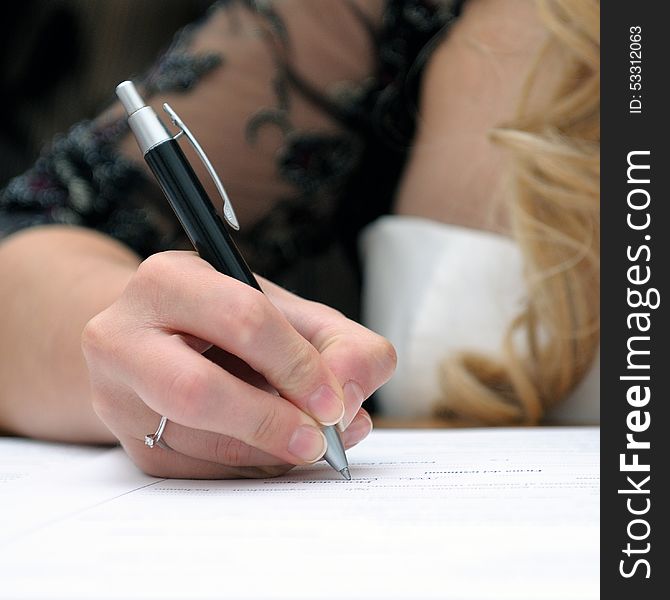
197	300
175	381
190	453
127	416
217	448
360	359
358	430
168	463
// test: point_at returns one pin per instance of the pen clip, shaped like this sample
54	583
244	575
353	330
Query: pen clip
228	212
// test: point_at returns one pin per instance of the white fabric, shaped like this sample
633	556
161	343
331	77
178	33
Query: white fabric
434	289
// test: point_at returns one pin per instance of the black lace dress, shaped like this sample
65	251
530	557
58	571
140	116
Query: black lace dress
307	109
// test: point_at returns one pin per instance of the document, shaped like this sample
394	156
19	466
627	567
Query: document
478	513
22	459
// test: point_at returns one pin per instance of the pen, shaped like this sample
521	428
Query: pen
195	211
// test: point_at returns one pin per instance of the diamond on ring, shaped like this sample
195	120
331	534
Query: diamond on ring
152	439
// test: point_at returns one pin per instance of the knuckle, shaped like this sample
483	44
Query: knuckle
149	282
371	361
101	337
93	336
227	450
302	366
332	314
153	269
186	392
388	357
247	320
267	429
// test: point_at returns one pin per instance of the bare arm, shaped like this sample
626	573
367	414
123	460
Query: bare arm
52	281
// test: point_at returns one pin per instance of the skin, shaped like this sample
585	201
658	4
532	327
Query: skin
96	344
143	330
473	84
290	366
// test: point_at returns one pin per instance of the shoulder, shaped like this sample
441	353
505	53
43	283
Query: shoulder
472	84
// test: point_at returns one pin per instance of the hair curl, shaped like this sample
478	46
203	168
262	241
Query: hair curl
555	216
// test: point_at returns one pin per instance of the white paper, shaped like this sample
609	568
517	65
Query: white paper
429	514
22	459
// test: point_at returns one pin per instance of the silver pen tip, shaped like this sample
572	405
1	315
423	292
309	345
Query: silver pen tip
345	473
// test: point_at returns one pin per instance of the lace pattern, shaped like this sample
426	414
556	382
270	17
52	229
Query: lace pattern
341	180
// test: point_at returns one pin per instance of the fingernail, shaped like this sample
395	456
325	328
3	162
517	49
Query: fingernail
308	443
359	429
326	406
353	398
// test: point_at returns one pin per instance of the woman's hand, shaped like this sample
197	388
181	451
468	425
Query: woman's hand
245	379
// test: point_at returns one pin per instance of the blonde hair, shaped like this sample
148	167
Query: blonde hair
555	215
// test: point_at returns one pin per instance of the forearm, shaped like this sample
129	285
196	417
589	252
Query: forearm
52	281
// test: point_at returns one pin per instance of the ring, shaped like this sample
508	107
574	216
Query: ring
154	439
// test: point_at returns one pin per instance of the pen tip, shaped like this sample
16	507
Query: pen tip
345	473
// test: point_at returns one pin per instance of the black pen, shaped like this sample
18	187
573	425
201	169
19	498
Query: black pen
195	211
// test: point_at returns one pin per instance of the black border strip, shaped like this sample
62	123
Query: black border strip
623	132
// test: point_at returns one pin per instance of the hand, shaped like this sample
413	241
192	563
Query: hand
245	378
